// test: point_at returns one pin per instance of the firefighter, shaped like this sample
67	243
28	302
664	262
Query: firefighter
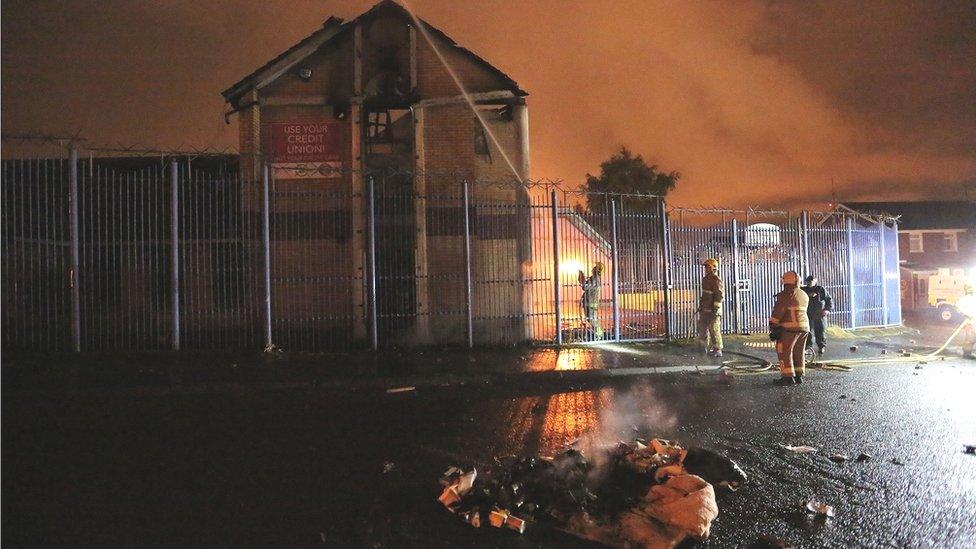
967	306
710	309
590	301
817	311
789	327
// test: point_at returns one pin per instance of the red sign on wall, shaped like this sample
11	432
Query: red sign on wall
308	141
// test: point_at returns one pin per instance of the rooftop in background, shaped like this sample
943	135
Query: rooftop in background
924	215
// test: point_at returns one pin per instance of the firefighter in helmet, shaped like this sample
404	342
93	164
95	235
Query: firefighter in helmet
590	301
789	327
967	306
710	309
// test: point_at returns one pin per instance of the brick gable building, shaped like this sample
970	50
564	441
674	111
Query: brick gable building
367	96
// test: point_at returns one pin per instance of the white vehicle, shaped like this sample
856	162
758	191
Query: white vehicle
945	288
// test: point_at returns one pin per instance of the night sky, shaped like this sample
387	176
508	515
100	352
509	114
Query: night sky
754	102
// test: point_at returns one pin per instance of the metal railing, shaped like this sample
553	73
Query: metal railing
107	253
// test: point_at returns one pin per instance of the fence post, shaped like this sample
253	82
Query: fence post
736	321
615	274
467	265
74	278
557	291
174	178
882	261
850	269
374	329
897	262
266	250
805	242
665	267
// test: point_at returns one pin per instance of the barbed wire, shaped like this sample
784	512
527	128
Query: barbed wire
750	210
41	137
85	146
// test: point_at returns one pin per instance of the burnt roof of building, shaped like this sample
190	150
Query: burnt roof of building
924	215
340	27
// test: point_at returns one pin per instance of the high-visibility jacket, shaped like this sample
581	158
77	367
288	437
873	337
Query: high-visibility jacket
712	296
790	311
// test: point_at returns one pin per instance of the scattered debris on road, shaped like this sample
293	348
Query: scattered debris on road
820	509
897	461
401	390
838	458
969	449
388	467
863	457
802	449
853	348
645	493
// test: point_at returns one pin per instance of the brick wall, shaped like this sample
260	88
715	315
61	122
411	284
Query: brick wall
434	81
306	268
934	255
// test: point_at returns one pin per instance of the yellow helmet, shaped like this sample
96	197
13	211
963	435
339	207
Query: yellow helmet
599	265
790	277
711	263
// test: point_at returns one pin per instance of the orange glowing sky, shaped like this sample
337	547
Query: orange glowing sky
753	101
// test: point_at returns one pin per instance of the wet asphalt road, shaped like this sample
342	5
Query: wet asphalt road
303	467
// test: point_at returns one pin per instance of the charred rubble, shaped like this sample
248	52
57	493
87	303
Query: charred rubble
639	493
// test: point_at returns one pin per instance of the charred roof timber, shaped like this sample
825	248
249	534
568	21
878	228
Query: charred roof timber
333	30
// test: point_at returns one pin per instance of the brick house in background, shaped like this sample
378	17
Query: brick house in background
937	248
363	96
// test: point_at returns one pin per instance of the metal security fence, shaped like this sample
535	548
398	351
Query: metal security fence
36	254
755	247
210	252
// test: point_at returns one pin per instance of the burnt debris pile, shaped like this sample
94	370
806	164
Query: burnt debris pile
642	493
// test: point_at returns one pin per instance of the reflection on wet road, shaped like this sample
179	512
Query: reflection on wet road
918	488
293	468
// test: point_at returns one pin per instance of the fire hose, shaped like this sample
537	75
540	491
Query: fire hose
849	363
754	365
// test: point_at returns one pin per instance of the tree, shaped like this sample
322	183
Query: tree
624	173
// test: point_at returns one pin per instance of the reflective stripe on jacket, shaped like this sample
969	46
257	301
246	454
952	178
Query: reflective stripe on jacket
711	295
790	311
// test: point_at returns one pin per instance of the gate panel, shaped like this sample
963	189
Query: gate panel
396	266
768	247
696	237
868	275
585	241
440	278
892	275
641	263
125	222
220	259
312	307
36	255
510	268
828	242
538	278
